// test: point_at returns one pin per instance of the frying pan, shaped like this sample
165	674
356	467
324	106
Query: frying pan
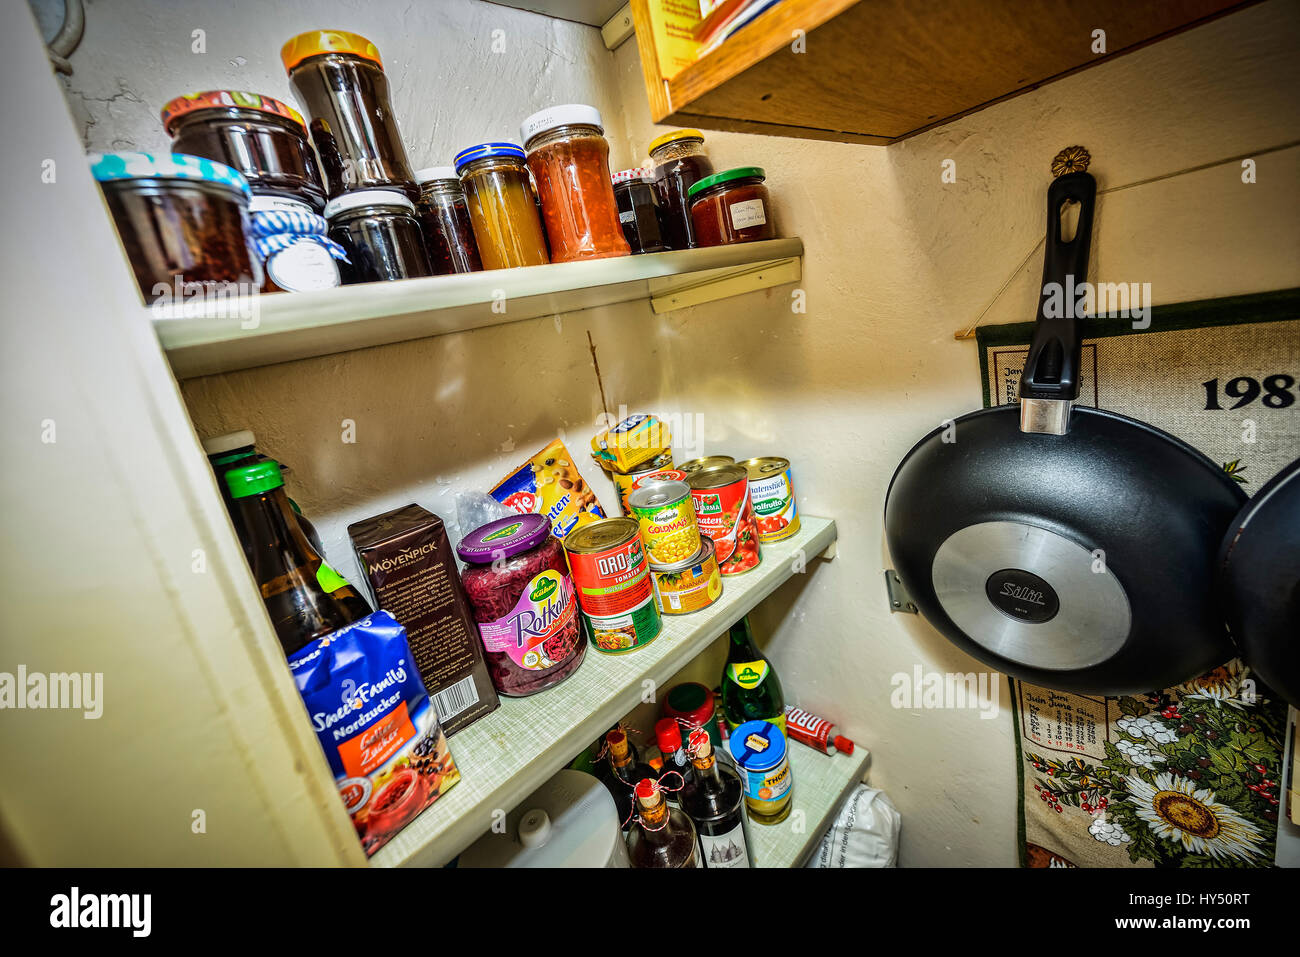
1070	547
1259	582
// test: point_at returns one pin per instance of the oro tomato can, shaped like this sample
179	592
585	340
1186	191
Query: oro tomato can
771	489
666	517
611	578
725	513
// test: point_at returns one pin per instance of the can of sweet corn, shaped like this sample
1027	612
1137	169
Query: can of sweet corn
666	516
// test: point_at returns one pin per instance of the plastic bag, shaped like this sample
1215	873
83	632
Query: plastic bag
865	833
474	510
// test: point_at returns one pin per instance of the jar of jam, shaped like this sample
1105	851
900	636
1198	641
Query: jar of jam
290	241
339	78
569	160
380	234
444	216
264	139
731	207
679	163
638	210
502	206
183	221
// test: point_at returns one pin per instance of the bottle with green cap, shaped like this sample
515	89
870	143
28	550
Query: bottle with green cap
305	597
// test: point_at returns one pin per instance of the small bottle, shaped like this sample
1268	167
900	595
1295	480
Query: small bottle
661	836
668	735
620	772
751	690
714	800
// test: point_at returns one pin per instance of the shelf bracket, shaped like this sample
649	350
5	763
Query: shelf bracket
618	28
671	293
899	599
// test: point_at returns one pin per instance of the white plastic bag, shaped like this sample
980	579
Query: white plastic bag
865	833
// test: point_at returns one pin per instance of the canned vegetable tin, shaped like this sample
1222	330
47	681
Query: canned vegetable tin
771	489
709	461
690	585
760	753
726	515
625	482
612	580
667	520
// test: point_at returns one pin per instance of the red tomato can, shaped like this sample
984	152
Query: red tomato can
611	577
725	513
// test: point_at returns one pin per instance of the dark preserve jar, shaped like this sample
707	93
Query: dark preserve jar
731	207
679	163
339	79
444	217
638	210
378	230
183	221
264	139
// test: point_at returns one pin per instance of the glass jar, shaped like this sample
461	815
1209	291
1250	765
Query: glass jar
502	206
339	78
569	160
521	594
264	139
731	207
378	230
183	221
291	244
444	217
679	163
638	210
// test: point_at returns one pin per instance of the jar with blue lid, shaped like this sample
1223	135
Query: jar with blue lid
291	242
502	206
184	224
759	750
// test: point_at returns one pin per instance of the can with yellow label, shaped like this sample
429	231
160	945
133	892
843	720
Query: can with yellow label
666	516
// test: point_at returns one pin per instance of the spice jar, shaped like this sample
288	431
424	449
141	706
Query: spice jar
679	163
502	206
340	79
731	207
569	160
183	221
380	234
638	210
444	217
522	597
264	139
291	244
759	750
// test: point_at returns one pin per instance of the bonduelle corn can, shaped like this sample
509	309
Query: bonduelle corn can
771	490
611	578
760	752
666	515
691	584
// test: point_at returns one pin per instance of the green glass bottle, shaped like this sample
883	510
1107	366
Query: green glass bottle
751	690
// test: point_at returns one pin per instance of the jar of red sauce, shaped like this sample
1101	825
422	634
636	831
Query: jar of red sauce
569	159
731	207
444	218
679	163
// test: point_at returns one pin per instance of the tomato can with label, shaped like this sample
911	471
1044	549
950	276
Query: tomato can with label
624	482
759	750
725	514
689	585
709	461
611	577
771	490
666	517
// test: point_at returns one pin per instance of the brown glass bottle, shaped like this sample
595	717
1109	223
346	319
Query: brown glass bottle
662	836
305	597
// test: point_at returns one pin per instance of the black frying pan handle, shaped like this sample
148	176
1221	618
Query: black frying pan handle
1052	369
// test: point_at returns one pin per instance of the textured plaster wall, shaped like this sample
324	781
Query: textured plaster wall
895	262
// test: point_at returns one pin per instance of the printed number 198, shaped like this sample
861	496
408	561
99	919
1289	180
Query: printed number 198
1276	390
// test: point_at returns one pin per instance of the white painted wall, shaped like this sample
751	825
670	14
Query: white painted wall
895	262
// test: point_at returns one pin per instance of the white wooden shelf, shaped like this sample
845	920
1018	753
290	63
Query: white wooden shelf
242	333
821	783
508	754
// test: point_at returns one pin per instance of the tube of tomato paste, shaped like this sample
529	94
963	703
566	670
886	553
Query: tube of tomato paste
815	731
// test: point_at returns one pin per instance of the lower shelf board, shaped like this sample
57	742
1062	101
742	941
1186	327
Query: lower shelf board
821	783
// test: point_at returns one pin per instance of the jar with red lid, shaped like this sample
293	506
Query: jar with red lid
679	163
444	218
569	159
518	585
731	207
264	139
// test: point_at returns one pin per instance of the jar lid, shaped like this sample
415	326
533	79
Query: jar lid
227	100
504	538
757	745
638	175
111	167
692	701
283	204
726	176
230	442
317	42
367	197
675	136
254	479
484	151
570	114
432	174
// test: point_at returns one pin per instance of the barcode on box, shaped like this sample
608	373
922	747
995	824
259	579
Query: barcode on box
454	699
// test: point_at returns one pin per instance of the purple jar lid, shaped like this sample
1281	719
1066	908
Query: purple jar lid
504	538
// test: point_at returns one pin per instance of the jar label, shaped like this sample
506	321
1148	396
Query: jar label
749	213
725	850
302	267
545	609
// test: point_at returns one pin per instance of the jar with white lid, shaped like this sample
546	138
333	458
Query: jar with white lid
444	216
290	239
378	230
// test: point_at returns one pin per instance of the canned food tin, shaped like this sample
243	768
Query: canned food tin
709	461
644	479
725	514
611	577
690	585
624	482
771	490
760	753
667	520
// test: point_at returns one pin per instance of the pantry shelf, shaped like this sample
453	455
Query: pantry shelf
204	338
507	755
821	783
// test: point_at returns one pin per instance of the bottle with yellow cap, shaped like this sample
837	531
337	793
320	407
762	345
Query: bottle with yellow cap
339	79
679	163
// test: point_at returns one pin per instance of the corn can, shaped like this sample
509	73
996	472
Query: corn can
666	516
691	466
690	585
771	490
725	514
611	577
